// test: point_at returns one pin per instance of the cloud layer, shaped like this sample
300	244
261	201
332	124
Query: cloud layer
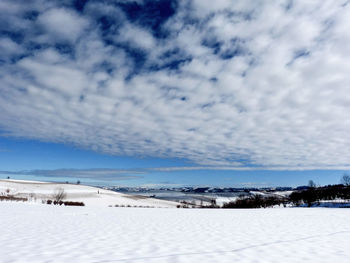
102	174
238	83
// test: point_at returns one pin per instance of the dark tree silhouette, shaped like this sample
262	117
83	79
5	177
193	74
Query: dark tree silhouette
345	180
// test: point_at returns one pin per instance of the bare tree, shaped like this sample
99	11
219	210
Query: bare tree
59	194
345	180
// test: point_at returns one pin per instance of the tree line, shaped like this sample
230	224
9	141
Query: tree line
309	196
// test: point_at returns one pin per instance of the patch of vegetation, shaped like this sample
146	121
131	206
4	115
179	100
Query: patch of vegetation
316	194
256	201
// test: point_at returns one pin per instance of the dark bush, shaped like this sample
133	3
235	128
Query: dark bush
70	203
256	201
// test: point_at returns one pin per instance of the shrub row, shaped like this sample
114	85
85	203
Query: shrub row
12	198
140	206
66	203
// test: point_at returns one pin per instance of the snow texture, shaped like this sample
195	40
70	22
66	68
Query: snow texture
42	233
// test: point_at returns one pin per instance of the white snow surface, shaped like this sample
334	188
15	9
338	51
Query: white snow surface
33	232
90	196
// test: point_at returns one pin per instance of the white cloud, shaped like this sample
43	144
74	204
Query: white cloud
63	24
7	46
135	36
256	83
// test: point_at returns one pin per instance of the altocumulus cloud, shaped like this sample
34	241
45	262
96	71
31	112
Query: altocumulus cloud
236	83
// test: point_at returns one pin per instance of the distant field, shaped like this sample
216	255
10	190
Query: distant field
43	233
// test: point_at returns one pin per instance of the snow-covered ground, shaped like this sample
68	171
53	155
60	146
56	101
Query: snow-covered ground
90	196
42	233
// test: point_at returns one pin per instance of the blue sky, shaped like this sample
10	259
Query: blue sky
175	92
35	160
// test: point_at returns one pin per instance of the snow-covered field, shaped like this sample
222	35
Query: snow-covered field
42	233
90	196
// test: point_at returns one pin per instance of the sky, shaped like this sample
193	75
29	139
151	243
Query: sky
240	93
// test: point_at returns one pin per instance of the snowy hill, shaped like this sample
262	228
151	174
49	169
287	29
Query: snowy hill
90	196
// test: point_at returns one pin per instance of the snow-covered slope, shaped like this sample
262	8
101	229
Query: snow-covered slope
91	196
42	233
